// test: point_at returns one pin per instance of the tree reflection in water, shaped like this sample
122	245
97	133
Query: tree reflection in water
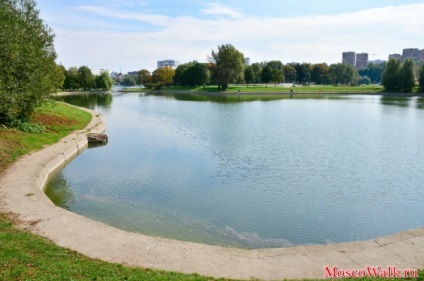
59	192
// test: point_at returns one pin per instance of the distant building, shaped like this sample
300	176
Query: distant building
412	53
349	58
247	61
395	57
133	73
168	63
361	61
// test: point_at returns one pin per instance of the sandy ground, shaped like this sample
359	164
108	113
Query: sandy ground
21	196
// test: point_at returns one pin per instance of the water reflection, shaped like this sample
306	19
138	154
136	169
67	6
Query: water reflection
395	101
241	97
90	101
420	103
59	192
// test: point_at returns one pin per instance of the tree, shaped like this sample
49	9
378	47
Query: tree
27	59
373	71
273	71
364	80
163	76
407	76
229	65
257	70
343	74
104	81
196	74
319	73
249	75
58	77
303	72
86	77
72	79
421	77
390	76
290	73
128	81
144	76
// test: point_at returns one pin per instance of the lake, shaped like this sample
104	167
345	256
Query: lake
251	172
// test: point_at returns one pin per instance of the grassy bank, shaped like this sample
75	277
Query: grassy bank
272	89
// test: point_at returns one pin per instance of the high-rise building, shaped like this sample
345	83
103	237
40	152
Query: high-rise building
395	57
247	61
349	58
168	63
411	53
361	61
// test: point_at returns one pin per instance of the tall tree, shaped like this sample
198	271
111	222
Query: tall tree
273	71
72	79
197	74
27	59
407	76
390	76
249	75
343	74
229	65
86	77
319	73
290	73
104	81
257	70
58	77
144	76
373	71
163	76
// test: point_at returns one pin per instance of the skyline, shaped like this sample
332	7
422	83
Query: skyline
135	34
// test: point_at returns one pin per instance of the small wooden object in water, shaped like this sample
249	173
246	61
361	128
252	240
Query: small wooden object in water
96	138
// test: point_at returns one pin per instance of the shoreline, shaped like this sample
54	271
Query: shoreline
22	196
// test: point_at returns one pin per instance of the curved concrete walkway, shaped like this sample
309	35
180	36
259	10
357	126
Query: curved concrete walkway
21	195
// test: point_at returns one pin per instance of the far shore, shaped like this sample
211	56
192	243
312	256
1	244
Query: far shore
237	93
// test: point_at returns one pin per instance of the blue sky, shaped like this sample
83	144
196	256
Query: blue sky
134	34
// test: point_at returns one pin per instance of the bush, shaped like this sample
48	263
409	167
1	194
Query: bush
27	127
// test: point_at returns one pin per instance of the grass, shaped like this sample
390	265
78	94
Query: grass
58	119
271	88
25	256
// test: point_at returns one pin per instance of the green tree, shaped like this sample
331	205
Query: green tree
373	71
257	70
72	79
303	72
197	74
319	73
273	71
104	81
290	74
343	74
58	77
390	76
421	77
364	80
407	76
249	75
27	59
229	65
128	80
86	77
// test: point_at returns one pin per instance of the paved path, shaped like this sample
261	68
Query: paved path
21	195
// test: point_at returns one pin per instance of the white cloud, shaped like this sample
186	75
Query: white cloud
152	19
310	39
220	10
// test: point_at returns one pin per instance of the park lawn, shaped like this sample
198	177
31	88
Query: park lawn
25	256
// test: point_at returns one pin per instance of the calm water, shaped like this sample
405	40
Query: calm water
252	174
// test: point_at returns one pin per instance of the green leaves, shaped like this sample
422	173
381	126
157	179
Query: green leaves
27	59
